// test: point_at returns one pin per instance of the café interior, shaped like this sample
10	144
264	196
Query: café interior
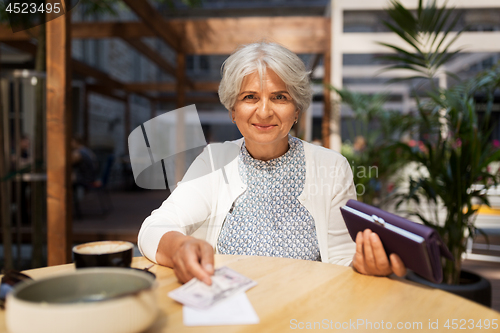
100	70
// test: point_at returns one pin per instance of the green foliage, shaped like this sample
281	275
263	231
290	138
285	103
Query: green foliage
427	33
455	152
456	174
371	156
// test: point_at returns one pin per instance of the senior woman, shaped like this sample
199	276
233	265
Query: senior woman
280	196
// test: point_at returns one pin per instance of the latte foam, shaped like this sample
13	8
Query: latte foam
102	247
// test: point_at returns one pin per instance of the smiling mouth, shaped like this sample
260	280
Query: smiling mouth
263	127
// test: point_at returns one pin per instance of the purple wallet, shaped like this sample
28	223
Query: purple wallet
419	246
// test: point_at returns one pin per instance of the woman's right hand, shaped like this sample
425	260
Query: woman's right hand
188	256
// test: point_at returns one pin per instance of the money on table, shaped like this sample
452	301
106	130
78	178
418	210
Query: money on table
225	283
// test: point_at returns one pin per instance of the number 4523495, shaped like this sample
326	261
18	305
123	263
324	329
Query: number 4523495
32	8
463	324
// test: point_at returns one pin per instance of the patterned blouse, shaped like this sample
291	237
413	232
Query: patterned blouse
267	219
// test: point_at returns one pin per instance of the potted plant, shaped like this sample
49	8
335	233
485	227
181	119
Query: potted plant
453	159
367	149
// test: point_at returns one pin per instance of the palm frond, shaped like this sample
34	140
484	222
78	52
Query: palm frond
427	33
409	38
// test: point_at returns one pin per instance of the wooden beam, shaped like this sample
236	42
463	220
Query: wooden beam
202	36
207	36
151	86
24	46
89	71
105	91
220	35
207	86
77	66
160	27
189	99
59	190
131	34
86	30
151	55
154	21
84	70
99	30
224	35
105	80
6	34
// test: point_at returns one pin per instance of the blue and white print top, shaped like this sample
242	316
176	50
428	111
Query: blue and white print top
268	219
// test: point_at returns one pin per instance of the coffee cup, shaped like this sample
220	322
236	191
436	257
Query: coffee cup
103	254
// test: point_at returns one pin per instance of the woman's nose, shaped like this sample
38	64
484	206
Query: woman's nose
264	109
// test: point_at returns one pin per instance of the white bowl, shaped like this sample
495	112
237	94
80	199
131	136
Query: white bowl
93	300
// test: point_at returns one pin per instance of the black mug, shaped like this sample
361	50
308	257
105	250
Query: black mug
103	254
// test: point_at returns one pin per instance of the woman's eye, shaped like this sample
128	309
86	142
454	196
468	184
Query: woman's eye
248	97
281	97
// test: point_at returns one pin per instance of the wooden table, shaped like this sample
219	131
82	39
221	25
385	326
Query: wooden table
294	294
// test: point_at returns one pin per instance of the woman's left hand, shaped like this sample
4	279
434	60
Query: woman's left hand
371	259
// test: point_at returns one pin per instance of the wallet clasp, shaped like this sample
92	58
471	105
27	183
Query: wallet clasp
378	220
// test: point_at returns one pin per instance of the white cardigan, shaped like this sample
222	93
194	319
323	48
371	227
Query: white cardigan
199	206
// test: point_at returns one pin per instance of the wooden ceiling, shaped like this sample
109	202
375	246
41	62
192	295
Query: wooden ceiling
212	36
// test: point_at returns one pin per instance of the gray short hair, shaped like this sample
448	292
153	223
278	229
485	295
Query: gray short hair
257	57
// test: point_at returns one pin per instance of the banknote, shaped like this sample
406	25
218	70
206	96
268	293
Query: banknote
225	283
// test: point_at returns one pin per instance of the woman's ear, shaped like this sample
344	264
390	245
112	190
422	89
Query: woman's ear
233	115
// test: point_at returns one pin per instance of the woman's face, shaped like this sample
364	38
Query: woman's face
264	115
